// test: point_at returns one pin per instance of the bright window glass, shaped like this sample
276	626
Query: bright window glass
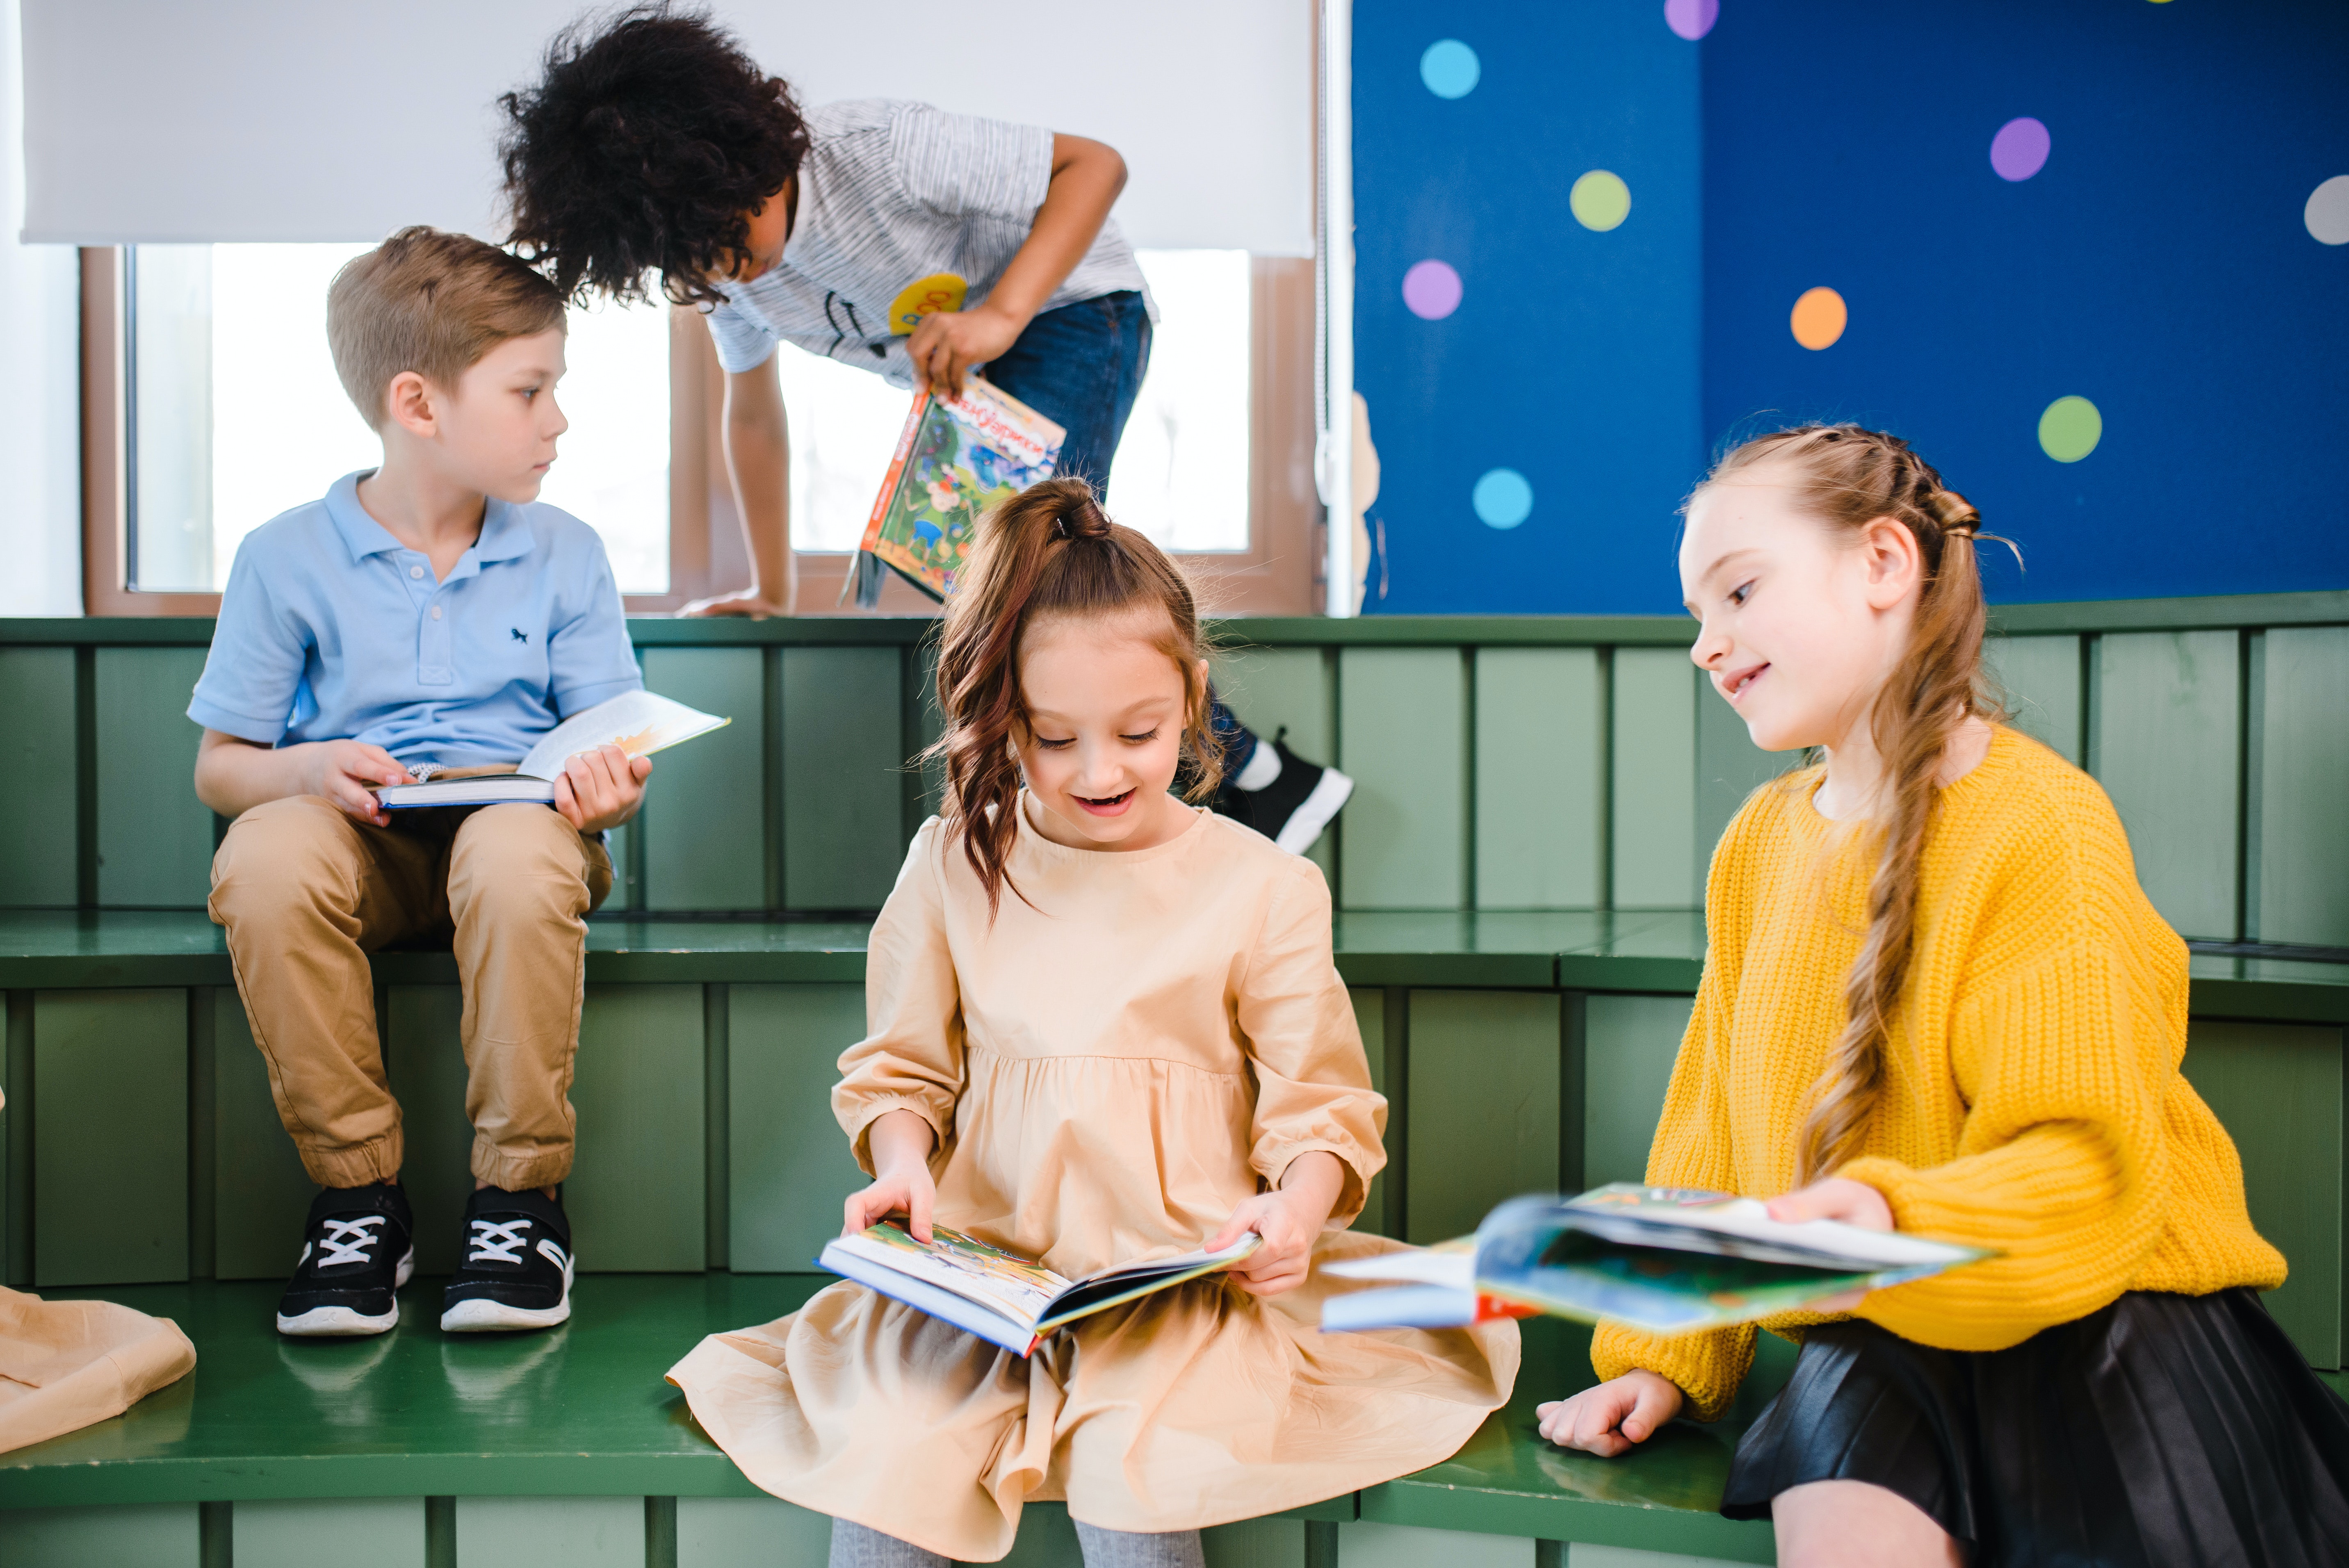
1182	470
237	414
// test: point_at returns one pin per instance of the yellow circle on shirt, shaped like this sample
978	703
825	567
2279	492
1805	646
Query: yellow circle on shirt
925	296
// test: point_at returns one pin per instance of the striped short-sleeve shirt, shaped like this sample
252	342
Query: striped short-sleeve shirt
893	193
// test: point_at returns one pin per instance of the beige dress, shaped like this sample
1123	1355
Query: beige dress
1143	1041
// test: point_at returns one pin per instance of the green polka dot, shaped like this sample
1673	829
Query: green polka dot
1601	201
2070	430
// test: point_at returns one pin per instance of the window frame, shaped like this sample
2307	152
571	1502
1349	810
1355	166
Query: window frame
1281	572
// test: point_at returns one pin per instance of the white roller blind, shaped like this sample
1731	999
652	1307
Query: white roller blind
162	120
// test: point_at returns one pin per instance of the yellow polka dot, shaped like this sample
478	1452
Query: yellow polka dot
1818	318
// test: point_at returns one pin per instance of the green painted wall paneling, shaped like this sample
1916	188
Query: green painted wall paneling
788	1166
16	1147
133	1535
1541	757
154	837
364	1533
730	1532
425	1058
552	1531
843	744
2303	794
2042	679
1294	688
37	840
2166	712
705	815
2278	1090
111	1137
637	1185
1629	1045
1484	1091
1729	768
1046	1540
1402	725
261	1193
1652	788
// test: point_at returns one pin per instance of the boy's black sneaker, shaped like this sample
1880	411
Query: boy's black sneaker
356	1256
515	1271
1294	806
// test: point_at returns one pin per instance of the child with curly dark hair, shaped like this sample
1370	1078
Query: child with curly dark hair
882	233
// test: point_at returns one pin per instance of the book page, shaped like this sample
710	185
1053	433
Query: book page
1020	1289
1689	1220
638	722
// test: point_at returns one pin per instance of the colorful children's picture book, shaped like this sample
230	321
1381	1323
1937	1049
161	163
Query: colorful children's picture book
956	457
1665	1259
1002	1298
638	722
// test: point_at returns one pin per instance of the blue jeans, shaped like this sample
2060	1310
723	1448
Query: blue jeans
1081	366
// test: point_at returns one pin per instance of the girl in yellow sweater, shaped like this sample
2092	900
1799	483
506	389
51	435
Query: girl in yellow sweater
1102	1024
1935	1000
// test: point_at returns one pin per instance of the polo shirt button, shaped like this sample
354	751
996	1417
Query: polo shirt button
436	611
416	572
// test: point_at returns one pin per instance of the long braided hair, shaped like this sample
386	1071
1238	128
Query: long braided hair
1049	551
1847	477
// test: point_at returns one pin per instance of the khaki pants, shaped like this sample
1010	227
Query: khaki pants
307	892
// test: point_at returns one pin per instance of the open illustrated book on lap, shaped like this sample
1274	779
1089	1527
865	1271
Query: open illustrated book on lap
1002	1298
1663	1260
638	722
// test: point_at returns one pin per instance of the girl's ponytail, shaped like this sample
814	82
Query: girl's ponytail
1847	477
1049	551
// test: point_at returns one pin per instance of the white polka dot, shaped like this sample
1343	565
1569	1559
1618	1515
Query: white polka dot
2327	212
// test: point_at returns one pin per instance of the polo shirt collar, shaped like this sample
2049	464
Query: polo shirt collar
505	536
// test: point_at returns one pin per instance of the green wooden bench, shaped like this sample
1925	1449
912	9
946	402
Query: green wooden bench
1515	875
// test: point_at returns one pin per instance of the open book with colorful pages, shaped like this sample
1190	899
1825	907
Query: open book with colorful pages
638	722
956	457
1665	1259
1002	1298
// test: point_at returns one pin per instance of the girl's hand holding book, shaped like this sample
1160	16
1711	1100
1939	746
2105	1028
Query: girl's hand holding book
901	1143
1853	1202
1289	1220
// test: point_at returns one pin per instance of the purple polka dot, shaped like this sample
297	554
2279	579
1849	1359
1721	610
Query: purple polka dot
2019	151
1691	19
1431	291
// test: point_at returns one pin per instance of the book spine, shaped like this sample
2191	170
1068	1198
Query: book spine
897	470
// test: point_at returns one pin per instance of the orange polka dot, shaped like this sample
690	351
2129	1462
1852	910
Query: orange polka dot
1819	319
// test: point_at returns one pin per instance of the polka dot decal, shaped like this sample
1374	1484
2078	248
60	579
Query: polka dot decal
2070	430
1818	318
1691	19
1601	201
2327	212
1449	68
1502	499
2019	151
1431	291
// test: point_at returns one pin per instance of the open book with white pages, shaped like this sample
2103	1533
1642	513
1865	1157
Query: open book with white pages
638	722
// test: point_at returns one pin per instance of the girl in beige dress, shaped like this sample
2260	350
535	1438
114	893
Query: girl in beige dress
1104	1026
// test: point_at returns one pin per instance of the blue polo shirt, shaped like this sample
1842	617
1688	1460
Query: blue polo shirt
331	629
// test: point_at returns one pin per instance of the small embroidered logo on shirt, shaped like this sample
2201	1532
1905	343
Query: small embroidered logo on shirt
519	634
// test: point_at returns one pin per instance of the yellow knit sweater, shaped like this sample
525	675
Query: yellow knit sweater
2032	1102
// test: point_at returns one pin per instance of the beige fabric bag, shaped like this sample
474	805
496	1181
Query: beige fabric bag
65	1364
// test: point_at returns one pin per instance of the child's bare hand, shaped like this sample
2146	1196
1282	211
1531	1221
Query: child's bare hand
347	772
946	343
1611	1418
1288	1221
1853	1202
601	788
901	1143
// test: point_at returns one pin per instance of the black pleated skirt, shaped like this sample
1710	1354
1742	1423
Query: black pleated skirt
2161	1432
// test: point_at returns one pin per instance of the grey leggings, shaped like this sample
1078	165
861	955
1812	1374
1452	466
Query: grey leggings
859	1546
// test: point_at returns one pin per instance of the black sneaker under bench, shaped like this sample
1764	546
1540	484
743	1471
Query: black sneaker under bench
356	1256
515	1271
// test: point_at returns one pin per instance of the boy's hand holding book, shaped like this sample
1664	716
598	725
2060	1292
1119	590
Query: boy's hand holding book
348	773
602	788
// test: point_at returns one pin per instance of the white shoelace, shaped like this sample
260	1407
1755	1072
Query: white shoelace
494	1240
347	1241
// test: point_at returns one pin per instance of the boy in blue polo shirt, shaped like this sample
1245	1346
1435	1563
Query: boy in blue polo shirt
426	612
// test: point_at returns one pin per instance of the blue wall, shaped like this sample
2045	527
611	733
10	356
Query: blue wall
2158	264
